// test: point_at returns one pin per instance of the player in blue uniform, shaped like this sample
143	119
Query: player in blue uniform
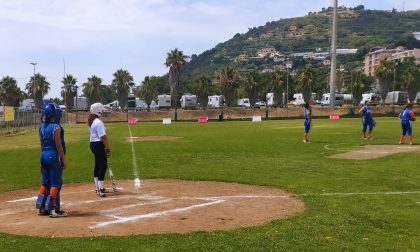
307	115
367	120
52	162
407	117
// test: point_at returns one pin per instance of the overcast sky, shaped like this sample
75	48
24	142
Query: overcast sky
97	37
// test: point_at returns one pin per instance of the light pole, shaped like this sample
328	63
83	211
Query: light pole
288	67
333	55
393	88
76	87
34	86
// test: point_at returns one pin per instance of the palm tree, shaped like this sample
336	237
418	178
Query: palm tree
411	78
357	88
38	88
148	91
385	74
68	90
306	78
10	93
277	86
228	81
252	86
122	82
203	89
175	60
92	89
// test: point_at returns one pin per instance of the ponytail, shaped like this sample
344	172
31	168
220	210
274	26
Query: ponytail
91	118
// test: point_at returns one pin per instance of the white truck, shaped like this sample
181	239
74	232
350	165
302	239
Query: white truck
188	101
27	104
244	102
371	98
164	101
215	101
325	100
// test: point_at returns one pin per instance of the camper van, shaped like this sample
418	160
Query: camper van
417	100
299	101
270	100
371	98
80	103
215	101
325	100
396	97
164	101
27	104
244	102
188	101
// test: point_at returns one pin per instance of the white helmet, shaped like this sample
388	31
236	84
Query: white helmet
97	109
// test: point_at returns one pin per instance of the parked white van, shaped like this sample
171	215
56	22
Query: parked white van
244	102
396	97
215	101
371	98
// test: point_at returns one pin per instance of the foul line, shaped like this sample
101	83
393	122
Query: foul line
133	154
359	193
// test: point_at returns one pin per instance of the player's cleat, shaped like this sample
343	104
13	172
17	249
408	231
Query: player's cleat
305	141
57	213
400	142
100	194
43	212
104	190
411	143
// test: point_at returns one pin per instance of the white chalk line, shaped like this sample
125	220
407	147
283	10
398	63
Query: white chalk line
327	146
359	193
152	215
133	154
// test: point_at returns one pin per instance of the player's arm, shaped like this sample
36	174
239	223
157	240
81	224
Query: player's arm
57	142
412	117
105	140
360	110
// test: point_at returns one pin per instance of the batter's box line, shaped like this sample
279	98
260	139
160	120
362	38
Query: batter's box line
152	215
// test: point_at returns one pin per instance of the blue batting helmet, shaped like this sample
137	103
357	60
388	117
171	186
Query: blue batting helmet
48	111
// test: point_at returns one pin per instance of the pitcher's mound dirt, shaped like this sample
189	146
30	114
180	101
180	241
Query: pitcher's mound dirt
377	151
152	138
159	206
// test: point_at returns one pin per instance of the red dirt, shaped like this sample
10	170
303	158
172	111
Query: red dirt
159	206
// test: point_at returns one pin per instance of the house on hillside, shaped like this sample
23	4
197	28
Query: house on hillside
415	53
243	57
267	52
266	35
372	59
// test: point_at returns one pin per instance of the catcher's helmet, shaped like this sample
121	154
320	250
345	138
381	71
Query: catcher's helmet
48	111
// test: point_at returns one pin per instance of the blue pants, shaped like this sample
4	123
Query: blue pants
51	169
406	128
367	123
307	125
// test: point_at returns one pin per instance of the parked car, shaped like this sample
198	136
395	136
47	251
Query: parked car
259	104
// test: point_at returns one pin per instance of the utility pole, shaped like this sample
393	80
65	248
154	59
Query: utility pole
34	86
288	67
333	55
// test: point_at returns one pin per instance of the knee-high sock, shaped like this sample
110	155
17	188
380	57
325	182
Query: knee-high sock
53	193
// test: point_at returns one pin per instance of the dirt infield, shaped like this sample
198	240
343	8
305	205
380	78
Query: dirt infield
152	138
377	151
160	206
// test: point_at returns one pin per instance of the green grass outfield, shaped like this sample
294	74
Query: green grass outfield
270	153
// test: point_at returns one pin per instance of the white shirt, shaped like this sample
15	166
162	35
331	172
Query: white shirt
97	130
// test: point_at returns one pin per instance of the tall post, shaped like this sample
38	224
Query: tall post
77	109
333	55
288	67
393	89
65	91
34	85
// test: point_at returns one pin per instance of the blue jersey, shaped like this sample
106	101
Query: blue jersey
46	135
367	114
307	114
406	114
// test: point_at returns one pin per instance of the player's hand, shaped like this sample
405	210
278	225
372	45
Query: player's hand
108	152
64	163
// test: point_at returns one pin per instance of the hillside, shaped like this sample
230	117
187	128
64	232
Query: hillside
357	28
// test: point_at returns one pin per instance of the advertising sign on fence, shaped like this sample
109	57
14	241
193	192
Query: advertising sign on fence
9	114
1	114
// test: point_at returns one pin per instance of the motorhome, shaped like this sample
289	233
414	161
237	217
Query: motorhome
164	101
396	97
325	100
188	101
215	101
417	100
271	102
244	102
299	101
371	98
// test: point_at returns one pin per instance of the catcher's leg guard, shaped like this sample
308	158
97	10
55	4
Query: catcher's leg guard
42	197
51	202
40	201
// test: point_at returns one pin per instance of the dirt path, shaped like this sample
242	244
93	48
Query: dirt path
160	206
377	151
